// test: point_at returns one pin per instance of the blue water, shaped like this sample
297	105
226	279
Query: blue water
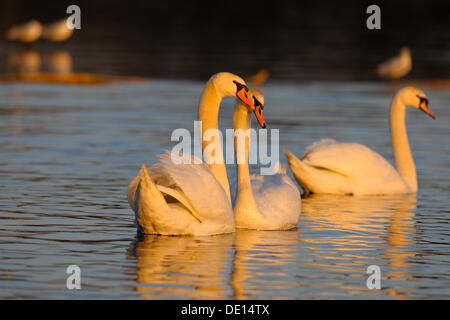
67	154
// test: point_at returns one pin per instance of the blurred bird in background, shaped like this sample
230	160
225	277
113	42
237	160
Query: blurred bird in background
27	32
259	78
396	67
57	31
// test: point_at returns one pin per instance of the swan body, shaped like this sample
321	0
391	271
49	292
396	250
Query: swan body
189	198
270	202
396	67
183	199
27	32
351	168
57	31
345	168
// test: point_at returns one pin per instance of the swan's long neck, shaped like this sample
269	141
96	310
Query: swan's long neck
244	195
208	114
400	146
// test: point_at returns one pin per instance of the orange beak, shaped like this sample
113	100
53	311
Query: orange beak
243	95
424	107
260	116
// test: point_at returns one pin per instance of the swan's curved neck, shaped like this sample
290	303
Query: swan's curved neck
400	146
208	114
244	194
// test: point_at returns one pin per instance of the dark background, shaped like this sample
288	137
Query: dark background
295	40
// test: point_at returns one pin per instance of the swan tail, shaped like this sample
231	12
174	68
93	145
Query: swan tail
147	202
318	180
149	194
144	194
299	169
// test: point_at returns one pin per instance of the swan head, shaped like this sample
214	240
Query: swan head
231	85
258	101
413	97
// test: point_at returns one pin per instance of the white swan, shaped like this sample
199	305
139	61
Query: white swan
396	67
270	202
27	32
189	199
352	168
57	31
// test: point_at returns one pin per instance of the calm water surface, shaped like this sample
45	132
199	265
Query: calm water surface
69	152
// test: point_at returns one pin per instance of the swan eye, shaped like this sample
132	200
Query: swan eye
422	99
257	103
240	86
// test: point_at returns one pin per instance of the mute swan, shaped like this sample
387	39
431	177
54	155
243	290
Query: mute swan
57	31
188	199
352	168
27	32
270	202
396	67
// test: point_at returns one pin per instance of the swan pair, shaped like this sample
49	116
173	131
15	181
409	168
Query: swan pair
195	199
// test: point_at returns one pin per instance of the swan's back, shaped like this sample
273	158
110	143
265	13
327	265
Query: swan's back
278	200
195	182
180	199
368	171
344	158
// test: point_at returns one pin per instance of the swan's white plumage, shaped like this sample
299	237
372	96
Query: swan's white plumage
318	145
277	200
345	168
195	181
180	199
268	202
352	168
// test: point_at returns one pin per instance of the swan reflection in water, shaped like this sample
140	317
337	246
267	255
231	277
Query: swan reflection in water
211	267
263	263
340	237
376	230
182	266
